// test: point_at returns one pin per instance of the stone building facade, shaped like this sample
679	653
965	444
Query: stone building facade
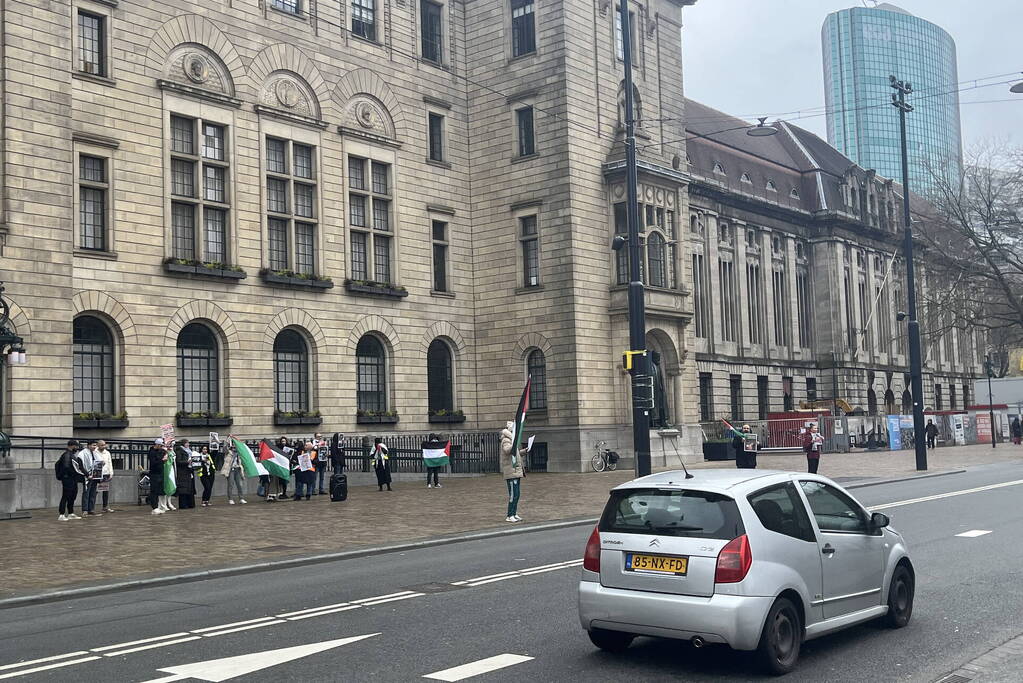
379	215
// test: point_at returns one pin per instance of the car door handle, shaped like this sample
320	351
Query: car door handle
828	550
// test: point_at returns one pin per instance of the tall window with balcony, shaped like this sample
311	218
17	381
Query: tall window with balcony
369	209
200	193
523	27
291	206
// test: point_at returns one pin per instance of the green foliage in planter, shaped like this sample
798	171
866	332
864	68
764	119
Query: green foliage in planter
376	413
444	413
102	416
297	413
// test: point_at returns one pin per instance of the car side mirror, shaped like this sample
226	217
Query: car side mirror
879	521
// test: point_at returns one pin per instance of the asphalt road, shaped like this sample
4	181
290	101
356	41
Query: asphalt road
428	616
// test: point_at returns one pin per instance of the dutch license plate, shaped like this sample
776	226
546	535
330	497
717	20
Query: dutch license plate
656	564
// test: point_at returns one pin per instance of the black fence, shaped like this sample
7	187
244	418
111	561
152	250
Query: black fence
471	452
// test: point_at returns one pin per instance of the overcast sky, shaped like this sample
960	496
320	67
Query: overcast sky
755	57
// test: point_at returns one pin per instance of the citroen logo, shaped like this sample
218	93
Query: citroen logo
655	542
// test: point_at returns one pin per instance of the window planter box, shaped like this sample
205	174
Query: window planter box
93	423
79	423
718	450
376	419
384	291
291	281
200	269
205	421
447	419
281	420
113	423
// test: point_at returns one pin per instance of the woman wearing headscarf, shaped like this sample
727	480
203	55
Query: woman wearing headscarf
183	477
157	456
381	465
284	446
512	470
206	471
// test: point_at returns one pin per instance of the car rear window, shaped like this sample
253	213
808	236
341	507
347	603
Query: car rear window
666	512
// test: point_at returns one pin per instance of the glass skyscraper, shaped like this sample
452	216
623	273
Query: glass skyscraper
863	46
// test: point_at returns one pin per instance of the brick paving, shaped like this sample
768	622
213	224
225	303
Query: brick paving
42	553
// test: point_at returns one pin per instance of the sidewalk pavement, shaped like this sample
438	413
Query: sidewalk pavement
42	554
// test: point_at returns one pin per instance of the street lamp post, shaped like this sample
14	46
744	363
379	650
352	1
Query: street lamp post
989	369
915	365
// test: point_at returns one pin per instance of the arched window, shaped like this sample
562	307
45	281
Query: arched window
198	369
93	366
440	377
536	366
655	260
291	372
907	402
871	402
371	377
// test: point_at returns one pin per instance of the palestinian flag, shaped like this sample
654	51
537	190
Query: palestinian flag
275	462
250	465
436	453
170	486
520	419
738	433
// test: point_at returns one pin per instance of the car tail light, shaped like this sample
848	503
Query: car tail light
591	558
734	561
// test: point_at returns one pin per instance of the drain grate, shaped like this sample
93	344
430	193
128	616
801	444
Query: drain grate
276	548
954	678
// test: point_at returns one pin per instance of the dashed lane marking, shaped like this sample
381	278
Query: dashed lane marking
139	642
237	623
324	612
950	494
460	673
43	659
394	599
242	628
49	666
973	533
151	646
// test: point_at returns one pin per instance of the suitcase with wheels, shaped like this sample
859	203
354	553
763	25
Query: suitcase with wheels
338	487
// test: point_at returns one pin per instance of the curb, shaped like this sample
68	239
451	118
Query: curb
204	574
879	482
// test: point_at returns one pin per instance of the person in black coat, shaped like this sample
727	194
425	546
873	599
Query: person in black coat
65	472
381	465
183	477
931	430
156	457
746	450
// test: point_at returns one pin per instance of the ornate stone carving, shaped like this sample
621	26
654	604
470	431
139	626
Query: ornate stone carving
287	93
367	113
283	90
196	67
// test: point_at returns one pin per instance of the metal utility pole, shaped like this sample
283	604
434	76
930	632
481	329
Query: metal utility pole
989	369
642	382
915	363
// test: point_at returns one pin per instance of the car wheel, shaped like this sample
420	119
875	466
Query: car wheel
900	598
610	641
781	638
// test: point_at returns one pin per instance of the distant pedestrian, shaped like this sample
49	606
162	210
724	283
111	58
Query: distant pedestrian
65	472
305	479
337	453
183	476
436	455
813	444
512	470
322	460
92	471
157	456
746	448
107	481
381	465
232	470
1017	431
206	472
285	447
931	430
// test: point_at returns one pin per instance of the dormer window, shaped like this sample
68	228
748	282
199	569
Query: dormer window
771	187
794	193
719	169
744	178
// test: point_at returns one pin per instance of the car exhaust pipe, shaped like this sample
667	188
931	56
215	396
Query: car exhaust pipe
698	642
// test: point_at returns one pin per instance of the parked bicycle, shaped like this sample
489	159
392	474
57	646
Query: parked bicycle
604	458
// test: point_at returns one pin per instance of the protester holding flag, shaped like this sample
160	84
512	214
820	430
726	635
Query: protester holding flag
157	457
232	470
746	445
511	467
269	462
285	449
382	465
436	454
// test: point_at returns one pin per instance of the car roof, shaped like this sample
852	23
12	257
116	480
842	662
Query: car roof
733	481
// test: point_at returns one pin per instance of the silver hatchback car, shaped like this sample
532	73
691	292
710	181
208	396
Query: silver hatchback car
754	559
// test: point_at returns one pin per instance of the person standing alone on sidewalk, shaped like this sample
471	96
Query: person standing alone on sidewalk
813	444
381	465
436	454
512	470
931	430
746	448
1017	431
64	470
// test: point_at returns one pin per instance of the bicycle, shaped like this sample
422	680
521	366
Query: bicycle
604	458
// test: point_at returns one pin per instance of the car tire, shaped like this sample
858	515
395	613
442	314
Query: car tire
781	638
900	598
610	641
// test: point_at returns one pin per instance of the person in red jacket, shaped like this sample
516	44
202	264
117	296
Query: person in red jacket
813	444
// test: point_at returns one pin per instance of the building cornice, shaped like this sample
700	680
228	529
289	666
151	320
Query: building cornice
199	93
614	168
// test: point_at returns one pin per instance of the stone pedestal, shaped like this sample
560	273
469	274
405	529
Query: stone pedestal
9	492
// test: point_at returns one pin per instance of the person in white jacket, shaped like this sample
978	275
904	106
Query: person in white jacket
103	455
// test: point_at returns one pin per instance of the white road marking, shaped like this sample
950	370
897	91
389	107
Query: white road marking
44	659
150	647
460	673
950	494
395	598
138	642
217	670
48	667
324	612
522	572
311	609
378	597
243	628
973	533
237	623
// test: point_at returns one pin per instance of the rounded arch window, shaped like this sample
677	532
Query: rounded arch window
291	372
536	366
371	375
198	369
656	260
93	351
440	377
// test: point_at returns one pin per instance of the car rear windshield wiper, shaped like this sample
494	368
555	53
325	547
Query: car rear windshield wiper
675	527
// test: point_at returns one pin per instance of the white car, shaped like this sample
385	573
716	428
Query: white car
754	559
